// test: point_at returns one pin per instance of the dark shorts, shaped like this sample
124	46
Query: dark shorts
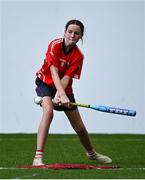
43	89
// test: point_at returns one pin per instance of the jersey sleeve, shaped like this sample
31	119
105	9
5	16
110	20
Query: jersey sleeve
75	68
52	54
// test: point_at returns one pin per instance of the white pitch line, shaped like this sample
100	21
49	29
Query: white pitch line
137	168
1	168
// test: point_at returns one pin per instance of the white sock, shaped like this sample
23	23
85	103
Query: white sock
39	153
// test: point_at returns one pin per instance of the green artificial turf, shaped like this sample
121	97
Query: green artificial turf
127	152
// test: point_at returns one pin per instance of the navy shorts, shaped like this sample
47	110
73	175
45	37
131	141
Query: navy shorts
43	89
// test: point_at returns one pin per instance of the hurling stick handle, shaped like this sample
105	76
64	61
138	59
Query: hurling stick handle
81	105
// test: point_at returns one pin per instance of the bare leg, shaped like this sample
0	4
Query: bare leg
78	125
45	122
43	130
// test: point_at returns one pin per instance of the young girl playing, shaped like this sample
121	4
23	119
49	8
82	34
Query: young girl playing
54	81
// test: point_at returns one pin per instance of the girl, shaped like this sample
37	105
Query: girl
54	81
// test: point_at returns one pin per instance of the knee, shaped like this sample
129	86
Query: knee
48	113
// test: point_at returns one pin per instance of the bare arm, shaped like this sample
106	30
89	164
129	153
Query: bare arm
60	97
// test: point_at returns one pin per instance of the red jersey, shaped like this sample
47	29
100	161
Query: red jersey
69	64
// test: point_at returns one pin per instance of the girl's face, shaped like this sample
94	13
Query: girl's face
72	35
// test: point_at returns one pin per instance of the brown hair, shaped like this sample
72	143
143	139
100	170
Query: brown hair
78	23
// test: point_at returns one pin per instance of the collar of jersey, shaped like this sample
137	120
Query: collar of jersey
64	48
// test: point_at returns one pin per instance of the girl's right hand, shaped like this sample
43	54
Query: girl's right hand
56	100
61	100
65	100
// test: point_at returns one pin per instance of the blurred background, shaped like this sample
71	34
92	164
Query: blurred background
113	72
